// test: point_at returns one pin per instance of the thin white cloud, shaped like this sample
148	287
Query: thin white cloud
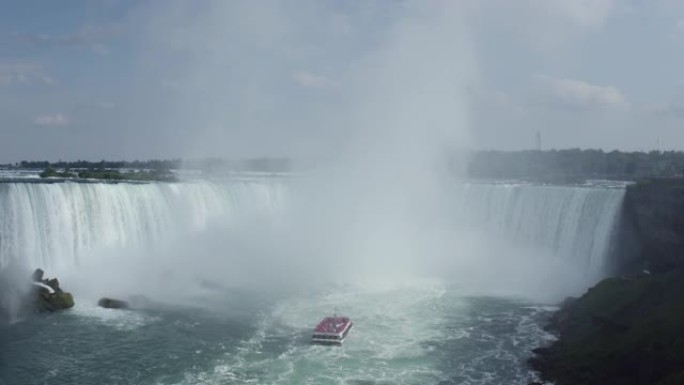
310	80
578	93
88	35
58	119
23	72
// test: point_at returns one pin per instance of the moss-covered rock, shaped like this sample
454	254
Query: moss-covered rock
48	302
622	331
48	295
62	300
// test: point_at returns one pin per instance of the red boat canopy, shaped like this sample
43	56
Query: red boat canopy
332	325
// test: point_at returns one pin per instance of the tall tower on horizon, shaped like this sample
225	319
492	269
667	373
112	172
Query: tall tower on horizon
538	141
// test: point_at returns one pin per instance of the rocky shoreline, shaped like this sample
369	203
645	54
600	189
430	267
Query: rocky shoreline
627	330
622	331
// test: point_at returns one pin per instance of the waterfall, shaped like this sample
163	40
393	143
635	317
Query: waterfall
57	226
44	286
54	225
571	223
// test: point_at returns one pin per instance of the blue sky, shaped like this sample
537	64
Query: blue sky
119	79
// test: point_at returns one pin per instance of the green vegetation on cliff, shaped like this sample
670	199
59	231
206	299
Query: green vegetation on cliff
154	164
130	175
113	175
622	331
51	172
207	165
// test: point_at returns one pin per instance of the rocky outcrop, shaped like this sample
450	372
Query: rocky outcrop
48	295
624	331
628	331
654	212
110	303
38	275
52	302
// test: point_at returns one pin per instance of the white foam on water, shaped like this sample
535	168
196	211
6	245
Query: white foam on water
386	345
119	319
419	332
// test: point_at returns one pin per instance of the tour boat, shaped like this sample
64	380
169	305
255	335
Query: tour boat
332	330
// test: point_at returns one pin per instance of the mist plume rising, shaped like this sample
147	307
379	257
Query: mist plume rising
377	203
391	111
374	125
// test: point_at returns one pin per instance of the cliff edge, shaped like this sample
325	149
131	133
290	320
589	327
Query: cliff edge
628	330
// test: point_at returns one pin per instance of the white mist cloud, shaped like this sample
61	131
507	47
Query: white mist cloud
375	210
58	119
581	94
234	83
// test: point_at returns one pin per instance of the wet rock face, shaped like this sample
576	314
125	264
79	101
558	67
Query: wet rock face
655	208
54	284
38	275
110	303
46	301
628	330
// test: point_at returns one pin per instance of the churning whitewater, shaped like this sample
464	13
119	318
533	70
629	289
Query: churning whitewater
203	317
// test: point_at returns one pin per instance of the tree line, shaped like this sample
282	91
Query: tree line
576	164
154	164
550	165
209	165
